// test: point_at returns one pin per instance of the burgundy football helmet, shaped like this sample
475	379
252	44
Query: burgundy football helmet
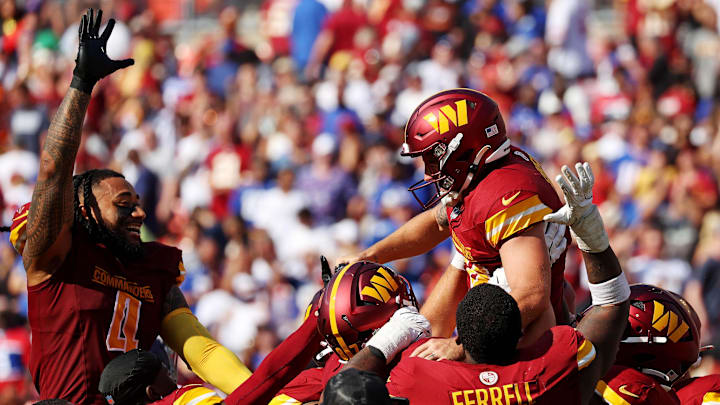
360	298
662	337
455	132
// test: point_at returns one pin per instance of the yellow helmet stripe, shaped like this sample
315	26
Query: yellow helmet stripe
333	320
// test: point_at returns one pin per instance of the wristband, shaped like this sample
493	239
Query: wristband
613	291
458	261
82	85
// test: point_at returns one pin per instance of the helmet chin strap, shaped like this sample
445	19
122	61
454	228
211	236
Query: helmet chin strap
669	377
453	197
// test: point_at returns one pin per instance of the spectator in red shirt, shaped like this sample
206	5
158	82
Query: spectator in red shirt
337	35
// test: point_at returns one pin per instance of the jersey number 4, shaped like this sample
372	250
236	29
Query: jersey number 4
124	325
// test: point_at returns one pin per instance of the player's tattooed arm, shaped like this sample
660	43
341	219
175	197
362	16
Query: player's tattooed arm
51	211
441	216
174	300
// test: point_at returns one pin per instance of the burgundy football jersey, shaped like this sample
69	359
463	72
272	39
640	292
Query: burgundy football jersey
545	373
700	391
627	386
309	384
511	198
92	309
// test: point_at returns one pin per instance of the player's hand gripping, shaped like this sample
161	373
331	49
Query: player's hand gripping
579	212
92	62
406	326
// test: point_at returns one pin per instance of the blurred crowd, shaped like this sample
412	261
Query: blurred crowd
263	135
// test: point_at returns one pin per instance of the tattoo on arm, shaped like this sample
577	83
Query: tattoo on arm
174	300
441	216
52	200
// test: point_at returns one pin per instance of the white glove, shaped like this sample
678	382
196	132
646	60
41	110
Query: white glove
400	331
555	240
579	212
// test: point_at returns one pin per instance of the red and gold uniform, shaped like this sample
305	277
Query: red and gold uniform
309	384
700	391
92	309
514	195
627	386
191	394
545	373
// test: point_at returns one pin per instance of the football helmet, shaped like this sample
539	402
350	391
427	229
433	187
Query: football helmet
360	298
455	132
662	337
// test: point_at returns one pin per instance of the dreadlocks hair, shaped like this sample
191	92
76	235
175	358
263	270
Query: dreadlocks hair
4	229
489	324
82	186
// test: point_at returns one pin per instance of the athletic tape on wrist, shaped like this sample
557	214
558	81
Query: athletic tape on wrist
458	261
610	292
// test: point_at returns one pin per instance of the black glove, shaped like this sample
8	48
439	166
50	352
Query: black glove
92	62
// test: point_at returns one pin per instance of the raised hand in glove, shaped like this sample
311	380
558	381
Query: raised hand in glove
92	62
579	212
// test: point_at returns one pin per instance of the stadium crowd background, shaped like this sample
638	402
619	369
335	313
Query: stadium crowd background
265	134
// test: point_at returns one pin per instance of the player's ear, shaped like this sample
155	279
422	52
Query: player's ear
150	392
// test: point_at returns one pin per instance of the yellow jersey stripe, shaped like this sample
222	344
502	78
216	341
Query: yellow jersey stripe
498	223
198	396
586	354
23	215
606	393
525	222
283	399
496	220
15	233
517	223
711	398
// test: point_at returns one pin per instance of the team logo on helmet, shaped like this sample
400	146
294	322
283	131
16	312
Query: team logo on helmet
676	327
381	287
358	299
447	114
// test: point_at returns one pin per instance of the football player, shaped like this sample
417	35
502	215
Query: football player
139	377
660	343
359	298
95	290
563	366
491	198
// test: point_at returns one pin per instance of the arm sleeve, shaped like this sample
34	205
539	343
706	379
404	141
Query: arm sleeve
210	360
280	366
